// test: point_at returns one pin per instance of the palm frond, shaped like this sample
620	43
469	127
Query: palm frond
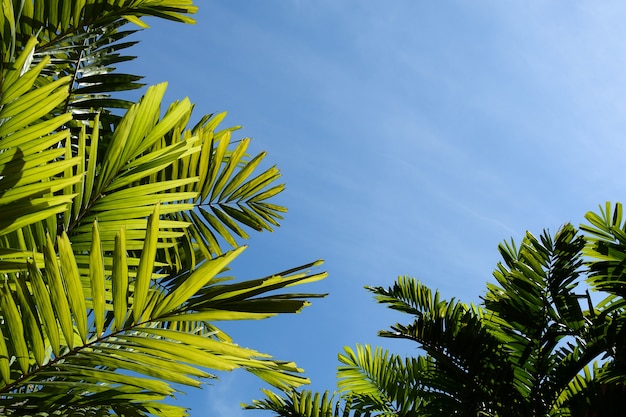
465	354
34	163
81	39
118	221
305	404
593	393
606	233
231	196
136	328
376	381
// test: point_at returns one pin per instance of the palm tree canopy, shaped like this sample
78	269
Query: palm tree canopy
537	344
119	222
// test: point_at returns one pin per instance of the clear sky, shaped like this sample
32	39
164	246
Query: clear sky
413	137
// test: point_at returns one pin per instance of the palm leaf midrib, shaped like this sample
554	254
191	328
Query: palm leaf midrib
25	378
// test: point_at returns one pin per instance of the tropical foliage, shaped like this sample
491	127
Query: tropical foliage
537	345
118	221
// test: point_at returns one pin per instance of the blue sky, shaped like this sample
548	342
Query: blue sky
413	138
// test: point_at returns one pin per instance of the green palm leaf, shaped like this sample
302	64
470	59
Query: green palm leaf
83	41
382	383
125	151
116	219
607	247
31	173
537	344
467	359
305	404
232	197
142	167
86	353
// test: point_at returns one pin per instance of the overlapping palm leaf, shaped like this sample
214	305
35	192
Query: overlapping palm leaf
306	403
606	250
116	220
81	39
231	198
377	381
468	363
76	44
70	334
149	160
606	233
57	22
537	345
36	164
592	394
551	323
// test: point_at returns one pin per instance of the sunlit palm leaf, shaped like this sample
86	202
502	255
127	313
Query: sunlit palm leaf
34	166
108	265
144	344
138	170
232	197
83	40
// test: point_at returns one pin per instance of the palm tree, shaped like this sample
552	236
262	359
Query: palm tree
536	345
118	221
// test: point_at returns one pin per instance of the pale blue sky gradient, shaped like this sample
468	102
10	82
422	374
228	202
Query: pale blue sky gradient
413	137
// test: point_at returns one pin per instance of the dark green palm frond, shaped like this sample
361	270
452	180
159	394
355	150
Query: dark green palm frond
470	363
90	58
436	322
594	392
606	251
606	233
519	296
552	329
572	356
470	359
408	296
579	336
529	350
81	37
54	21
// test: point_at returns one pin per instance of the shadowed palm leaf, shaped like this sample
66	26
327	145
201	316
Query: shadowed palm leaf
537	344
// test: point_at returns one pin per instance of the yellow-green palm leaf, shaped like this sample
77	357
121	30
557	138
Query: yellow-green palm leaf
57	352
118	219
